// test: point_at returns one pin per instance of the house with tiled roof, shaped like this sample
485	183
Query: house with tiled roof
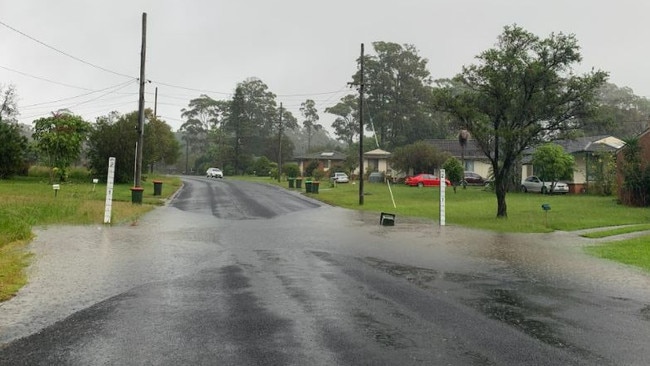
326	160
474	159
584	150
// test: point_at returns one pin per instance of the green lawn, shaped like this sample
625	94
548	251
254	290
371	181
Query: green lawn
635	251
475	207
27	202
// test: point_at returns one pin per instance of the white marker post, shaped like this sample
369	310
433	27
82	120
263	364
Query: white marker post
442	197
109	190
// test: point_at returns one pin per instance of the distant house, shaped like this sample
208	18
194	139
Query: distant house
644	144
584	151
325	159
474	159
377	161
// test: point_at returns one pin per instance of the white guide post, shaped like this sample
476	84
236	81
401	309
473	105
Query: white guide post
109	190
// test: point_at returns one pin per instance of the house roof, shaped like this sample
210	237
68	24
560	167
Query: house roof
379	153
323	155
591	144
472	150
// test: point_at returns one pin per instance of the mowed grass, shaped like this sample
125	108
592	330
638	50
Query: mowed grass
635	252
28	202
475	207
617	231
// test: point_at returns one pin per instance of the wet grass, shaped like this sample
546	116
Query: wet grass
474	207
28	202
635	252
617	231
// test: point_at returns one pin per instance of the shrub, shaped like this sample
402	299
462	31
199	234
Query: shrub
291	170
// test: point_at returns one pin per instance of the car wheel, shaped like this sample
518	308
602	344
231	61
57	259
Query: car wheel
523	189
544	190
420	185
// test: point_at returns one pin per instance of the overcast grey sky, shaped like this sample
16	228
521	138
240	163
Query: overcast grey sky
301	49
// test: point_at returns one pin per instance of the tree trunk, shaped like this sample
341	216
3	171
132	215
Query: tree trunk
500	188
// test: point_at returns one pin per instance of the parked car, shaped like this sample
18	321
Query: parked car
472	178
340	177
425	180
214	173
534	184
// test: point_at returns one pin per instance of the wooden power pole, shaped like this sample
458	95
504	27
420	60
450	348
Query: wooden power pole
361	128
138	163
280	146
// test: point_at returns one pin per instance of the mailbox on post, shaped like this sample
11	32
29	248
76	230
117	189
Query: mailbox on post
56	188
546	207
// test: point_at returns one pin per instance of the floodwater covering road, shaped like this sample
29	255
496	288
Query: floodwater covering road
238	273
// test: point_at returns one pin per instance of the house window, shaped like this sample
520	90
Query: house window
469	165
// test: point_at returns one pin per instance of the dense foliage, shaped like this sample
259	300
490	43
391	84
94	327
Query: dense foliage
520	93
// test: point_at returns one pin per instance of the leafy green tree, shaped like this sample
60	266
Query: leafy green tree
552	163
346	124
620	113
419	157
602	167
291	170
239	127
521	92
160	145
454	171
262	167
205	110
398	94
13	147
59	140
113	135
635	190
310	113
8	105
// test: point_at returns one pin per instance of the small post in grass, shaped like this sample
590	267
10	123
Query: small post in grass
546	207
56	188
95	181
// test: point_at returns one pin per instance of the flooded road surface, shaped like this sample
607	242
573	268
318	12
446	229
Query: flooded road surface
236	273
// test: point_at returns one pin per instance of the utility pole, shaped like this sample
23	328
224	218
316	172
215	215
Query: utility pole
155	104
280	146
361	128
138	167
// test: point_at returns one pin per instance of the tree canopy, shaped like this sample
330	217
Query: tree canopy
59	140
520	93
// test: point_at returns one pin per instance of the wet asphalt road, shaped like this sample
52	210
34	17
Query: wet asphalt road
235	273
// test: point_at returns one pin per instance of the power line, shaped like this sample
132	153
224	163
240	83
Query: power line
44	79
65	53
79	96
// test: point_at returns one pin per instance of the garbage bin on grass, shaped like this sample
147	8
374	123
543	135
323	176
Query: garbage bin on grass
157	187
291	182
299	183
136	195
308	187
314	187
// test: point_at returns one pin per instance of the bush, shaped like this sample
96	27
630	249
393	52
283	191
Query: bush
79	175
291	170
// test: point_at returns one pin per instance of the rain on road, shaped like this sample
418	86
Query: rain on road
239	273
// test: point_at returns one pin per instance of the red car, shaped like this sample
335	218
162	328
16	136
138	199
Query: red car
425	180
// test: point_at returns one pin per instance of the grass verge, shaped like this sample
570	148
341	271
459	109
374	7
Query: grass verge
634	252
474	207
28	202
617	231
